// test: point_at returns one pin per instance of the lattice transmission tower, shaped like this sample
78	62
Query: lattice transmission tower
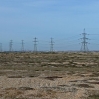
84	47
10	46
0	47
51	45
35	44
22	46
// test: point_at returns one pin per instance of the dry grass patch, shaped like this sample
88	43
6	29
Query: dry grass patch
93	97
12	93
93	94
94	75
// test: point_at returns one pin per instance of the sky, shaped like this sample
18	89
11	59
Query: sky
62	20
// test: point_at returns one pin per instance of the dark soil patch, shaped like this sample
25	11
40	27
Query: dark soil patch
52	77
85	85
93	82
16	77
26	88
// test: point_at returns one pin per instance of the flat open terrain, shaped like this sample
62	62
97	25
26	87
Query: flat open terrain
49	76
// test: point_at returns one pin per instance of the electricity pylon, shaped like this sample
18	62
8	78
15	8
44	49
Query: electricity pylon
22	47
0	47
51	45
35	44
10	45
84	47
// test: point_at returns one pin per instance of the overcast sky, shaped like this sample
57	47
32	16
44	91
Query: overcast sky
63	20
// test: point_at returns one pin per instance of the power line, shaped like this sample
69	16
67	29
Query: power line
10	45
94	34
51	45
35	44
84	42
68	38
